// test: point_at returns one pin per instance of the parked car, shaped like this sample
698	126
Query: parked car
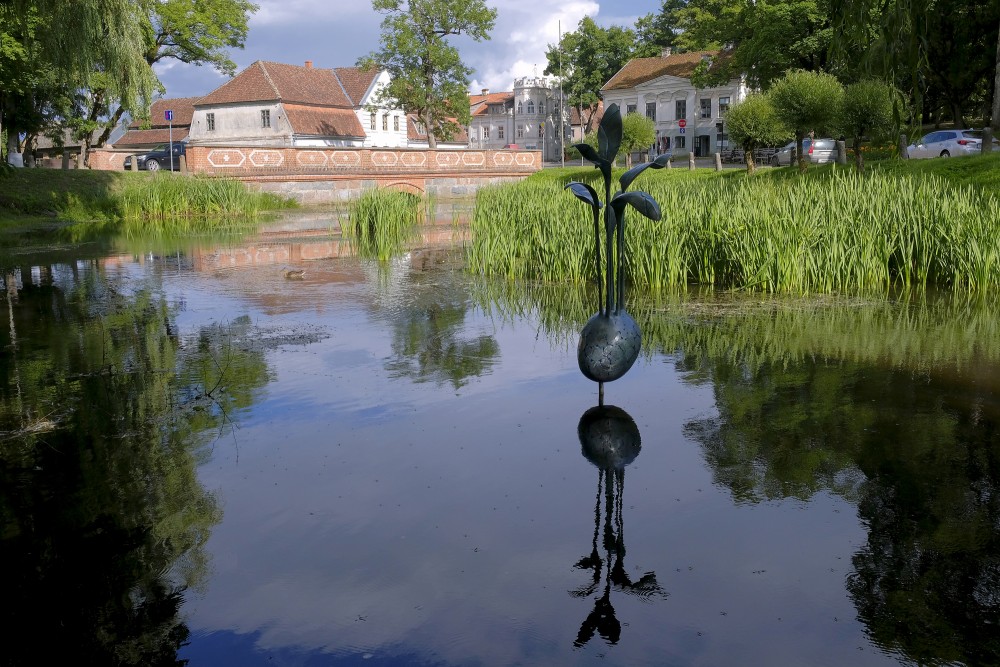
158	158
948	143
819	151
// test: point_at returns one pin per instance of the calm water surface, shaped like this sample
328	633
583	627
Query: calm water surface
204	459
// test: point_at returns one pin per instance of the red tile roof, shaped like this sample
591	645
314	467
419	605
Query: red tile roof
183	108
480	104
266	82
574	115
323	122
356	81
640	70
141	138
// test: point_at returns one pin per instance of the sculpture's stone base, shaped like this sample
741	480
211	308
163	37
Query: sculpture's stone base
609	345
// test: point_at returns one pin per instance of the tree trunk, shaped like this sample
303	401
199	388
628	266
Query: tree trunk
859	160
110	126
995	120
799	153
748	158
956	115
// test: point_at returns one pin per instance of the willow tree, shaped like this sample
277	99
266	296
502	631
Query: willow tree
428	78
104	38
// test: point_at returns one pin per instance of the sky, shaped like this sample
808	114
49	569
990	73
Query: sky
335	33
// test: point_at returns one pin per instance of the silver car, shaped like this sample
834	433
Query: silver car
948	143
819	151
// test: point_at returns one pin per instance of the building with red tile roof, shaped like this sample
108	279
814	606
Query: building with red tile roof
157	130
528	117
687	118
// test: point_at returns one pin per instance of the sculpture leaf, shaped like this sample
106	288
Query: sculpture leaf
659	163
587	151
584	193
640	201
609	133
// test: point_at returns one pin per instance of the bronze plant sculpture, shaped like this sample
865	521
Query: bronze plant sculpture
611	340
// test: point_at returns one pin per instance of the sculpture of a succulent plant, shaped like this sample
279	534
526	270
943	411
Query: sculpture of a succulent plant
611	340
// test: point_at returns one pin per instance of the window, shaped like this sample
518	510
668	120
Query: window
531	106
486	132
395	123
500	132
541	107
706	108
651	110
629	108
722	139
679	142
520	131
520	109
681	109
541	130
372	121
723	105
385	122
265	118
210	121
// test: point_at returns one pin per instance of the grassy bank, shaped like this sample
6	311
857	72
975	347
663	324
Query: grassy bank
109	197
918	223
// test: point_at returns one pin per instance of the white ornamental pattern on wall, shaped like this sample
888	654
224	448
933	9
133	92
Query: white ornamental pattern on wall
266	158
503	159
414	159
384	159
449	159
311	158
345	159
226	157
473	159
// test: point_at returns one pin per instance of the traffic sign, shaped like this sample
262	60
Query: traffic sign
168	115
681	130
682	123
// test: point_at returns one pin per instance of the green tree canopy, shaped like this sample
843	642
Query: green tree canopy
807	102
763	39
754	123
868	111
428	77
588	58
638	133
660	30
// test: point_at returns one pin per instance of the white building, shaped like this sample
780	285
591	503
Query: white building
686	118
529	117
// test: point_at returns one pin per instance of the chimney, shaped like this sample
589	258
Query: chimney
309	64
665	53
486	91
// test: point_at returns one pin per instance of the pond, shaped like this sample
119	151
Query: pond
207	457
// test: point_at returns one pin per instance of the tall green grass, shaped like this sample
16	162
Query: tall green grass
837	233
168	197
380	222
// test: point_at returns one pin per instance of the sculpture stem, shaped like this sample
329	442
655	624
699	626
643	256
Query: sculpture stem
597	257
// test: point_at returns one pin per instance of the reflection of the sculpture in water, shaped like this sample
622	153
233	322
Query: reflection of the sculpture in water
610	440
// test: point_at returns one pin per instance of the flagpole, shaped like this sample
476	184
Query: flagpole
562	103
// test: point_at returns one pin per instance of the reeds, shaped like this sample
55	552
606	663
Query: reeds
167	197
380	222
838	233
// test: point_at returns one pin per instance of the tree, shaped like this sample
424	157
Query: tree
105	36
655	32
868	110
762	40
754	123
588	58
638	133
197	32
807	102
428	77
995	118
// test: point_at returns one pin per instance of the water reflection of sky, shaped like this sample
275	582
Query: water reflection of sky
374	520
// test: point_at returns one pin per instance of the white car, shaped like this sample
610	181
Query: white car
948	143
820	151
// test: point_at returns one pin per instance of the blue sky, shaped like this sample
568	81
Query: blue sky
335	33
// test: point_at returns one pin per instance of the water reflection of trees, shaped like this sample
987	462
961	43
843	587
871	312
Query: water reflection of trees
104	409
428	320
890	405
